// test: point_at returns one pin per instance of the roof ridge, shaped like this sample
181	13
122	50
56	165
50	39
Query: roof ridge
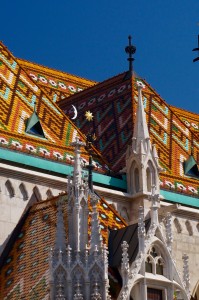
89	89
55	70
185	110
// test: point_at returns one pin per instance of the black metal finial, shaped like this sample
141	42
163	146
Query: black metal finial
130	49
196	49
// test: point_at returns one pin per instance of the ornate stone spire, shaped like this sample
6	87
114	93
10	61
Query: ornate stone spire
77	204
169	235
186	278
141	133
141	230
142	165
125	271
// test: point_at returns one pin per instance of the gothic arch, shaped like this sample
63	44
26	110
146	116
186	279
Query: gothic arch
156	260
23	191
10	188
134	181
150	176
177	225
189	227
60	278
37	193
49	194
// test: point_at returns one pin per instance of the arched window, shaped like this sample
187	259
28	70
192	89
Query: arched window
49	194
148	178
177	225
137	180
148	265
23	191
159	266
154	262
10	188
189	227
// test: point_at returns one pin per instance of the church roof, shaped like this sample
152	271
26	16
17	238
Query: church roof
24	265
57	84
20	95
113	103
117	237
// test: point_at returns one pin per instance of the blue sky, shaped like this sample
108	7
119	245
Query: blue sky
87	38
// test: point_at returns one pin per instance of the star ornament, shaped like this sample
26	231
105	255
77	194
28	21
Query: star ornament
89	116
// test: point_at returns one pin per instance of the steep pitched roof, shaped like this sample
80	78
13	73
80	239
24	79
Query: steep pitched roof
18	95
113	103
57	84
24	268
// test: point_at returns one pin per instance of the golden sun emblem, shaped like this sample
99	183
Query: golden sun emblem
89	116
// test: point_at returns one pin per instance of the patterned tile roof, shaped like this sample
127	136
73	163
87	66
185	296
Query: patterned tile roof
18	95
56	84
113	104
24	262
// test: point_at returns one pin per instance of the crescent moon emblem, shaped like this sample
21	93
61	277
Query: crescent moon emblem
75	113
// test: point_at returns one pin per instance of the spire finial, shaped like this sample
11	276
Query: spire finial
130	49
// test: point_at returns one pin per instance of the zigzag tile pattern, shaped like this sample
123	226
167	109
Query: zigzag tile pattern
113	104
110	102
18	95
25	269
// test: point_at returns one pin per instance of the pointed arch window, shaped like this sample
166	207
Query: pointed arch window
23	191
150	176
154	262
137	180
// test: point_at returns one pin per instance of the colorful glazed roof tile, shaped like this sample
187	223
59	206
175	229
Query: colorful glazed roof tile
113	104
56	84
20	95
24	267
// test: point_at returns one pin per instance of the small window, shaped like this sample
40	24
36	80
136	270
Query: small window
148	265
159	267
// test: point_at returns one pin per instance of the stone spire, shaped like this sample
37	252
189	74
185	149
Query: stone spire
77	204
142	167
141	133
96	239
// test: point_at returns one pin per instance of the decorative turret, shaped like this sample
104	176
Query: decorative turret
142	166
78	270
77	204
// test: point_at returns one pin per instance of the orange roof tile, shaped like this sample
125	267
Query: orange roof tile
18	95
56	84
24	262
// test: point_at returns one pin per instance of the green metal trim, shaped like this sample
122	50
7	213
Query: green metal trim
57	167
180	198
